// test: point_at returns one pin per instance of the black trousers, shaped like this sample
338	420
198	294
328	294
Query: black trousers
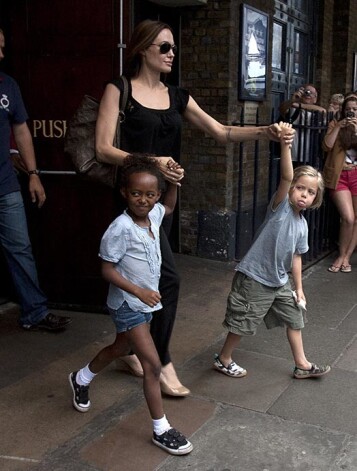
163	321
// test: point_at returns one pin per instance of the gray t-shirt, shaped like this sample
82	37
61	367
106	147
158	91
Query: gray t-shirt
137	257
282	234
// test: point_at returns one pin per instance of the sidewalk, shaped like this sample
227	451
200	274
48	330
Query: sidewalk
267	421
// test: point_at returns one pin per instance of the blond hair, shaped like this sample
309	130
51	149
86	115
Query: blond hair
307	170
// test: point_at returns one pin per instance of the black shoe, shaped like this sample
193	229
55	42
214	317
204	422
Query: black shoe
80	400
50	322
173	442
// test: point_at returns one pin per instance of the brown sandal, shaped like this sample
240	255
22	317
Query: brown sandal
334	268
346	268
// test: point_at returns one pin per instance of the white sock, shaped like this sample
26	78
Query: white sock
84	376
161	425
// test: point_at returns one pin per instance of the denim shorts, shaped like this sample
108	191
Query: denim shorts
251	302
126	319
347	181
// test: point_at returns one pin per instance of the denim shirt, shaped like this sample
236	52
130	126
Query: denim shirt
136	255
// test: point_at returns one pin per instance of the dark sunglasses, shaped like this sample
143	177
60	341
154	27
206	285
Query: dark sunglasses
165	47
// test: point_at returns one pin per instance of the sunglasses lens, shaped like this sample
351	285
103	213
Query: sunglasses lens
165	47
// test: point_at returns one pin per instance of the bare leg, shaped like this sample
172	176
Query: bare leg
144	347
344	205
232	342
118	348
297	348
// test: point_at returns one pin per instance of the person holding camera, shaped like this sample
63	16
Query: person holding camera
302	111
340	175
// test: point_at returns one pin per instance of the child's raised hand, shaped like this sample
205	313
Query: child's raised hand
286	133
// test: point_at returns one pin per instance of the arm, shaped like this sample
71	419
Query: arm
111	275
286	167
105	133
296	271
24	144
170	198
225	134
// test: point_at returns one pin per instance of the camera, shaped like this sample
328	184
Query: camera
307	92
350	114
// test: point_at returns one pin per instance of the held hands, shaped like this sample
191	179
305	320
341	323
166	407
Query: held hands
171	170
274	132
285	133
149	297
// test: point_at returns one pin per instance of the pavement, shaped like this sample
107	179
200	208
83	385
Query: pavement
267	421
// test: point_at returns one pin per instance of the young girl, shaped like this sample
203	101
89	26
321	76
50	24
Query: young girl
130	250
261	287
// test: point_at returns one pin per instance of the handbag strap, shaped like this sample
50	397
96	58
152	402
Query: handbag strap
123	98
122	104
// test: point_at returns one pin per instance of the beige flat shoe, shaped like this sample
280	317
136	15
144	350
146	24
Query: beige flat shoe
131	364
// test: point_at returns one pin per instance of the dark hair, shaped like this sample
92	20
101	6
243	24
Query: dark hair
143	36
347	135
140	163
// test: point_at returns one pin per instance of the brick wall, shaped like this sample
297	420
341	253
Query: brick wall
209	70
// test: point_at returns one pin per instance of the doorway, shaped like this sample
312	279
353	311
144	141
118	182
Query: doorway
293	49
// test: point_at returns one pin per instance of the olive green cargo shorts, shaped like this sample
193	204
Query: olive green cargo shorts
251	302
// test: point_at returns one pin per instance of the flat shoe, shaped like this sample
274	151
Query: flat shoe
233	370
334	269
346	268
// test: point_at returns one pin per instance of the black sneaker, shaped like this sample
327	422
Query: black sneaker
80	400
50	322
173	442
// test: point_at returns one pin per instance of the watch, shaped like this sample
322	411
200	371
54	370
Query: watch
34	172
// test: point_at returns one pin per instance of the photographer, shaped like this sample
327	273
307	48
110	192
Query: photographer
303	112
340	175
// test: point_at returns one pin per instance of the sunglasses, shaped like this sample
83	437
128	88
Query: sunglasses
166	47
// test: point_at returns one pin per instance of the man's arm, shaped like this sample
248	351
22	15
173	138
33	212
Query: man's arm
24	144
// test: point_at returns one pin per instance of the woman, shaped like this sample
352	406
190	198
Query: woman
340	174
153	119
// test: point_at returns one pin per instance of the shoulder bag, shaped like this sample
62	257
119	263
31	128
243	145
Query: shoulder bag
80	140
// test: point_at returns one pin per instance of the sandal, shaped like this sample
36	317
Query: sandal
334	268
233	370
314	372
346	268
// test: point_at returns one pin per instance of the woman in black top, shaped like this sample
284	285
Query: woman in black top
153	120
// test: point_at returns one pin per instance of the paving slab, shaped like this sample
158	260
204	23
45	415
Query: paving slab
267	421
251	441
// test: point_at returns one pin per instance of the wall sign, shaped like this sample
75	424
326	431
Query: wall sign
253	54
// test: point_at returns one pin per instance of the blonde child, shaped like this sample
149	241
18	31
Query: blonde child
261	289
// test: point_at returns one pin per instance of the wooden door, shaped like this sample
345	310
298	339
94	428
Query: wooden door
58	51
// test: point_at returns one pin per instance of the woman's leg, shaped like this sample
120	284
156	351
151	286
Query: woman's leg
163	321
353	242
344	205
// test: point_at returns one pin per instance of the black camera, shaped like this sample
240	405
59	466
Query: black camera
350	114
307	92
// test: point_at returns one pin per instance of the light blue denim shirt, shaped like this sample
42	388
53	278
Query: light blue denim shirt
137	257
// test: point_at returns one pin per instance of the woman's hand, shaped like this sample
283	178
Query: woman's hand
171	170
274	131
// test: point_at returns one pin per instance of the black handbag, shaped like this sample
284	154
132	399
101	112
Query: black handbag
80	140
